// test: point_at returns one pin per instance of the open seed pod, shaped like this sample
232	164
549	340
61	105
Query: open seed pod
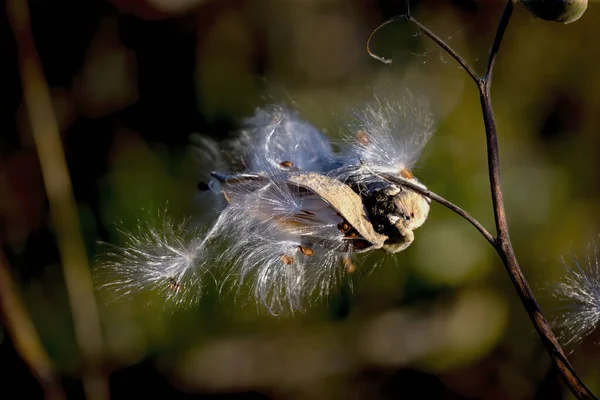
324	199
345	201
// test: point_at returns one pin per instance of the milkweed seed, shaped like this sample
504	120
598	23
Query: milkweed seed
344	227
349	265
351	234
406	173
307	251
362	137
287	260
173	284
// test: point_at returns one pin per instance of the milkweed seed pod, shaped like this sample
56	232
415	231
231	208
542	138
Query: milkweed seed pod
565	11
296	212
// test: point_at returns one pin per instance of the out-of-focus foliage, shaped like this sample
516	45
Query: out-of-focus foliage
131	80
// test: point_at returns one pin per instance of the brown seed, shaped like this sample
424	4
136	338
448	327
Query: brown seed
349	265
307	251
287	260
173	284
351	234
308	212
362	137
406	173
286	164
344	227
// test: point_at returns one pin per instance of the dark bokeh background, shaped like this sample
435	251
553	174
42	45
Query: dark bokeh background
131	80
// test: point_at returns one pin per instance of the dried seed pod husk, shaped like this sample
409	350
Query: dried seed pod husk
344	200
229	183
565	11
400	245
339	196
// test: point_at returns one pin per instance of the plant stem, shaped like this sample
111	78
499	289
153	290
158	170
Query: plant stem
502	242
446	203
463	63
63	208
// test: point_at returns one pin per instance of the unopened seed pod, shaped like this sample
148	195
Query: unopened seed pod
565	11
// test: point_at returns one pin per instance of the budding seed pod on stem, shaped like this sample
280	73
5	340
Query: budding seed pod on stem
565	11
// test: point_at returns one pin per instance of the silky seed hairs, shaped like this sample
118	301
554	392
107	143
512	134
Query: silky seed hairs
293	212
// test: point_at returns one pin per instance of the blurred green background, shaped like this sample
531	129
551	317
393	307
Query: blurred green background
131	80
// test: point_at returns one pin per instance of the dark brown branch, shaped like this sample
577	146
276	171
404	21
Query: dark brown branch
463	63
439	199
502	242
491	132
502	25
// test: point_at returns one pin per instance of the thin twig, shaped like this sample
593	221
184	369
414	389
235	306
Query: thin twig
384	60
502	243
463	63
63	208
502	25
23	334
446	203
491	132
